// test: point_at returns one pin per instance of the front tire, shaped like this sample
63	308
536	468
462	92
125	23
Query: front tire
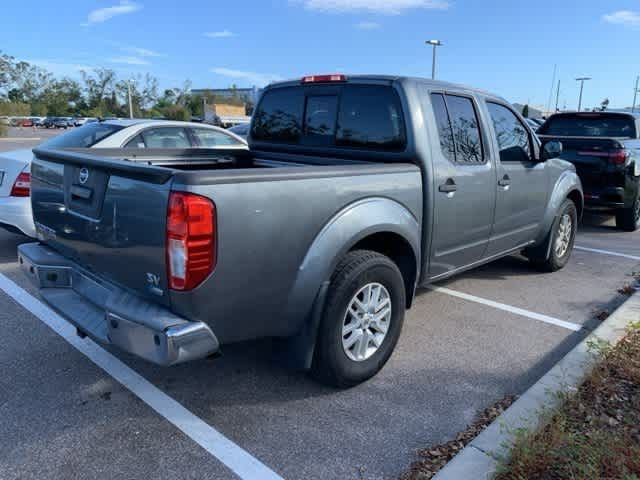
628	219
561	238
362	319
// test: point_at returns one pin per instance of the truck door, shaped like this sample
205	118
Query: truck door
522	182
464	185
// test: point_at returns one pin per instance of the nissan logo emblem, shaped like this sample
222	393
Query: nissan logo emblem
84	175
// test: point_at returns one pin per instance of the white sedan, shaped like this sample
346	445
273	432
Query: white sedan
15	166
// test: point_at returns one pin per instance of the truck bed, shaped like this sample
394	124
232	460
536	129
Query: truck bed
269	210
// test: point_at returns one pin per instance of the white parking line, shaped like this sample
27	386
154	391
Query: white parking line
508	308
235	458
607	252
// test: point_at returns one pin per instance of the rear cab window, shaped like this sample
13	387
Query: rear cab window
458	128
350	116
83	137
590	125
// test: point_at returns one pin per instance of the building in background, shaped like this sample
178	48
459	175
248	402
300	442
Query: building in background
248	95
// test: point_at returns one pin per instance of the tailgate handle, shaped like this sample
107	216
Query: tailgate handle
81	192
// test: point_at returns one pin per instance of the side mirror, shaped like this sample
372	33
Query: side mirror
552	149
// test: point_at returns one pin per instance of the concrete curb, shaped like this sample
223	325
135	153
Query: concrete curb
479	459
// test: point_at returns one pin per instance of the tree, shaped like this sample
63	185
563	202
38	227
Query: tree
604	104
62	97
525	111
98	85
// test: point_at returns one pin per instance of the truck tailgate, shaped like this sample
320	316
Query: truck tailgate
591	157
107	216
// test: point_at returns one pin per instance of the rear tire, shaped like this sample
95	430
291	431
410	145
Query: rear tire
357	334
561	238
628	219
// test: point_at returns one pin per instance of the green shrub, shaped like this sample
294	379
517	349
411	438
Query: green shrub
177	112
3	130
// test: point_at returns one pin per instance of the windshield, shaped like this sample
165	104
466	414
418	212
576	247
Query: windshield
590	125
83	137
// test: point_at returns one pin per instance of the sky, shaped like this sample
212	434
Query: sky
508	47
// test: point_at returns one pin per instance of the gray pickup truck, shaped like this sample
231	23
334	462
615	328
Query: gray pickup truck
354	192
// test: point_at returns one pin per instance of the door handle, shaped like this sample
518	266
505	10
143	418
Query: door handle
448	187
505	181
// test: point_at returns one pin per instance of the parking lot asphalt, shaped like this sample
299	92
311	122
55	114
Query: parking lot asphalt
64	417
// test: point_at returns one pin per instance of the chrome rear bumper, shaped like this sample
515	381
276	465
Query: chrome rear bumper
111	315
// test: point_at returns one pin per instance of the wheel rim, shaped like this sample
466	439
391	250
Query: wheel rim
366	322
563	240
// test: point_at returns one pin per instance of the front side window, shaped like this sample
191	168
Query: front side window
512	135
166	137
209	138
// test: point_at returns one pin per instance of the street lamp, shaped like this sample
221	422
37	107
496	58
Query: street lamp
581	80
435	44
635	94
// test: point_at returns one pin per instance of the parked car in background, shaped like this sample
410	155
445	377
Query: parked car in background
242	130
48	122
61	122
26	122
15	207
605	148
79	121
39	121
355	190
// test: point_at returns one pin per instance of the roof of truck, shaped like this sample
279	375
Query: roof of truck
394	78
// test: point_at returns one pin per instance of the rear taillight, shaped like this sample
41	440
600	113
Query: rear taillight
614	157
191	240
22	185
617	157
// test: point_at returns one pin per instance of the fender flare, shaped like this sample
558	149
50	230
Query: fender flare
567	185
344	230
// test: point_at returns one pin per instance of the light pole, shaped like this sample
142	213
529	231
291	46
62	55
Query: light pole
581	80
635	95
130	102
435	44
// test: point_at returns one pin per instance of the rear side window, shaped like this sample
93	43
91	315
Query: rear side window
513	138
136	142
166	137
458	128
590	125
351	116
83	137
207	137
445	131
